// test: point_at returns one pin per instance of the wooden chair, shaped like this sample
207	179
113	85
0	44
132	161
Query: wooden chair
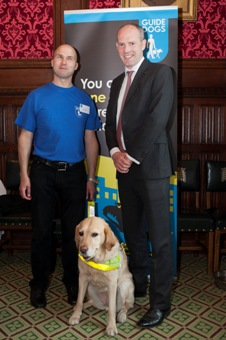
216	182
191	219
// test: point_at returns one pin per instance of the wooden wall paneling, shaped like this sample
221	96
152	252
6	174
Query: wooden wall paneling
18	77
202	121
8	135
59	7
185	124
202	74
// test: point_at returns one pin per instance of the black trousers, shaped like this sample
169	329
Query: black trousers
49	188
146	217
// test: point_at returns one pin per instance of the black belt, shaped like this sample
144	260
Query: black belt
59	166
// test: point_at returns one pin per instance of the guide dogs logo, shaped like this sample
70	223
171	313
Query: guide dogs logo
156	33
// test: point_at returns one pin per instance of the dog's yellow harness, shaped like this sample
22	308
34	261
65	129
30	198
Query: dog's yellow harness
112	264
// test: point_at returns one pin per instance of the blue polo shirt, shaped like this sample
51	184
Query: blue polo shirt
58	117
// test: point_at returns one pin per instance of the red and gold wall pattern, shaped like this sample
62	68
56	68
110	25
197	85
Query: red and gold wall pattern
26	29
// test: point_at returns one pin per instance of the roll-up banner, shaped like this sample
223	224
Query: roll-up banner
93	33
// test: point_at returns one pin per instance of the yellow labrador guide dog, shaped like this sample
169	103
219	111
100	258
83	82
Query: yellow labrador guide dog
104	277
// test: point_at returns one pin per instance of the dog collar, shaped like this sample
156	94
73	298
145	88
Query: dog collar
112	264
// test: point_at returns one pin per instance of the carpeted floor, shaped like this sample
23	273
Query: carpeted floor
198	307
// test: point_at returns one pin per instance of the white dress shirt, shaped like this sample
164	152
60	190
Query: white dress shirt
134	69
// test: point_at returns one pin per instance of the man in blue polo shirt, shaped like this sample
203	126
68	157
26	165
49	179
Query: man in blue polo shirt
58	122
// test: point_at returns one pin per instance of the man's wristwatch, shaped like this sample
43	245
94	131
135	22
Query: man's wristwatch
90	179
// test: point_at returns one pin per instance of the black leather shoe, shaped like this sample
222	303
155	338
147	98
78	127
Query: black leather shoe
72	294
153	317
37	297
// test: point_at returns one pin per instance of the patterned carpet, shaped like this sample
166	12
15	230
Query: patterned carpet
198	307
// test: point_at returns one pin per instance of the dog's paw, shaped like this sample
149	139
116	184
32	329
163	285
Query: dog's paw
73	320
111	331
121	317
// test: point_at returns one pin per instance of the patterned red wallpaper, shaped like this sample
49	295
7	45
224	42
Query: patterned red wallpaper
26	29
104	4
205	38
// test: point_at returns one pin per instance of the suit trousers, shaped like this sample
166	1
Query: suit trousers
52	190
146	217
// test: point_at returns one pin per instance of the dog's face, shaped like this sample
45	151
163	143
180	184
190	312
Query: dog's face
92	234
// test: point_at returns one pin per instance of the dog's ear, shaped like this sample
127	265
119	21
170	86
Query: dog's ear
77	228
110	238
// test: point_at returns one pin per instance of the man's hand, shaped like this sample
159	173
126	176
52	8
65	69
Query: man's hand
90	191
121	162
25	188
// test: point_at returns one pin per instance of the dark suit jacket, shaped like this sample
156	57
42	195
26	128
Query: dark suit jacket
144	119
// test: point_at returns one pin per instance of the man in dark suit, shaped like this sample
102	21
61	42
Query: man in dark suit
142	159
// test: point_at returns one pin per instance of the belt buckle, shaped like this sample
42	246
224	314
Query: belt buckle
62	166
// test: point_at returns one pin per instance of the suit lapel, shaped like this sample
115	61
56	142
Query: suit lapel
140	73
